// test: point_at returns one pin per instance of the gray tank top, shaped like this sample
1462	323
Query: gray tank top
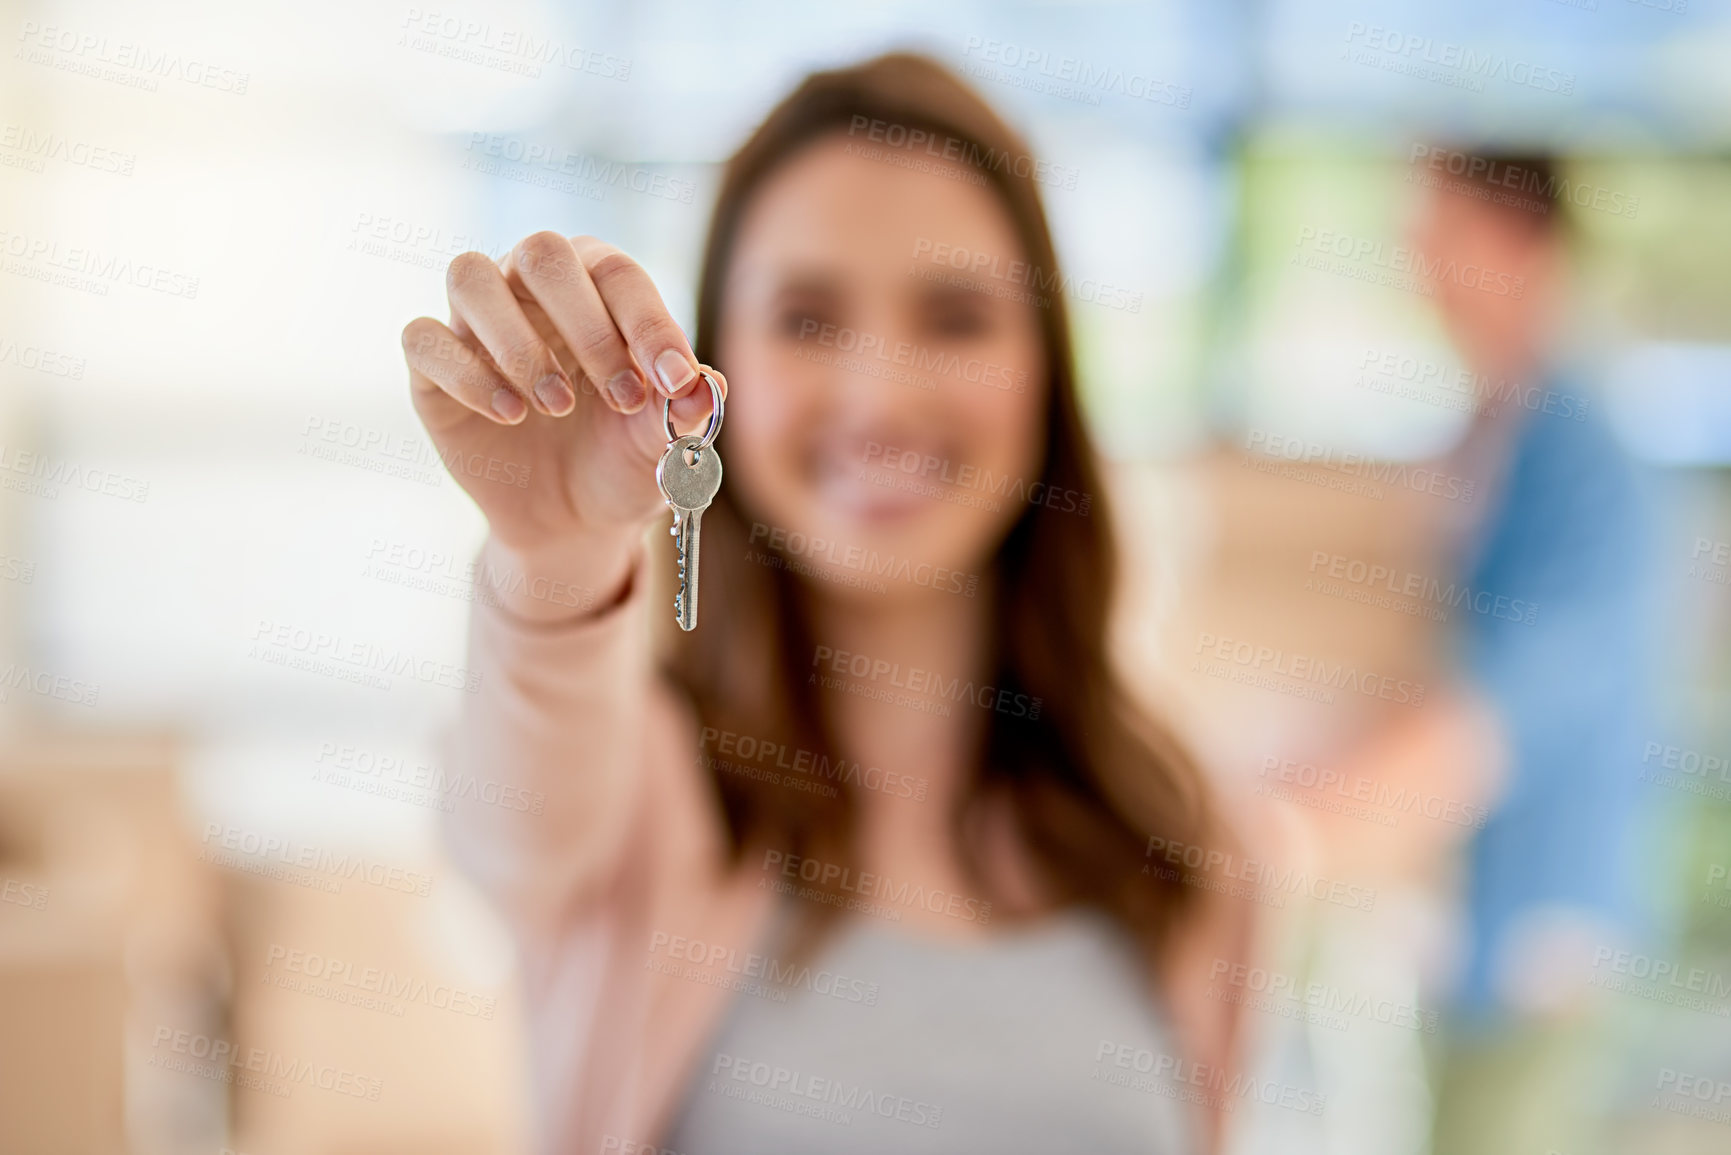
1038	1039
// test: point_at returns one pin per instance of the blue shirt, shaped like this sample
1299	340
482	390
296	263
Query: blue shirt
1572	535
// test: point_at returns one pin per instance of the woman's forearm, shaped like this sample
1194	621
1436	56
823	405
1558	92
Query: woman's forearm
549	748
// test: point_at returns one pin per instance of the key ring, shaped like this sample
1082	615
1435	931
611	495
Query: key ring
715	416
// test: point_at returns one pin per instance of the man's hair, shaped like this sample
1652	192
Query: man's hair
1525	185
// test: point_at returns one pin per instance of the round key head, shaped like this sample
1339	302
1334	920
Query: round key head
687	485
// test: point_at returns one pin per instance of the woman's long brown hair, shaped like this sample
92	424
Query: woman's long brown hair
1093	777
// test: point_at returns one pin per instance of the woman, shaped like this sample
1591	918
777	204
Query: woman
861	863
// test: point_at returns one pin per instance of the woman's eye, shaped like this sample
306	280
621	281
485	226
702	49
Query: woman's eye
799	323
958	322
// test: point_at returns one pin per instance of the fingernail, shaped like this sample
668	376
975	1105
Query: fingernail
509	406
675	372
626	389
555	393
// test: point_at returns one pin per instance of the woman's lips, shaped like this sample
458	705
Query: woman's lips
871	493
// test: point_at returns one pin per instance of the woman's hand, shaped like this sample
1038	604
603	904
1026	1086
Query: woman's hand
536	397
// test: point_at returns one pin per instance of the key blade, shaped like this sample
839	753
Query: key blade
689	484
690	535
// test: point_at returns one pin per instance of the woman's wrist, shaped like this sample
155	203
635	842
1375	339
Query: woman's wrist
560	581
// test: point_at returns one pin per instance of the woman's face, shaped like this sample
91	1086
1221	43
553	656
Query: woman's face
883	426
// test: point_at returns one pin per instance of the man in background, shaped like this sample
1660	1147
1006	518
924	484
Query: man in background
1552	876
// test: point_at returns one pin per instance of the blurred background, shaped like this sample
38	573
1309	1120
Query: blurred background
234	575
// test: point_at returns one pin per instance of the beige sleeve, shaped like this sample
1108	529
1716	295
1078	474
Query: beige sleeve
553	742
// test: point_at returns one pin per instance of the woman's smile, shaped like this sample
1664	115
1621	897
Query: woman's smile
851	481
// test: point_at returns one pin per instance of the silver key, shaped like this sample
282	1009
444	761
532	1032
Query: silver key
689	476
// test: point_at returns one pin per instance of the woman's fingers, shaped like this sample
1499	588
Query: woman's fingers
640	315
495	358
486	304
549	271
441	362
691	411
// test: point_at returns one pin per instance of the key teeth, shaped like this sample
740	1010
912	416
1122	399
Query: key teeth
684	601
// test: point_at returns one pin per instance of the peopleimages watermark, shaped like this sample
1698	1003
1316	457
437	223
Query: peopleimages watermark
736	984
317	651
750	973
1065	77
122	62
1224	872
1277	993
1171	1076
1661	980
1710	561
1307	676
1325	788
41	475
32	895
964	484
1356	473
441	572
1716	873
1675	7
1517	185
870	888
41	360
255	1068
866	566
906	158
1447	62
394	455
778	763
394	238
418	783
503	49
303	863
561	170
1274	1005
1013	280
812	1096
17	569
1681	1093
905	355
383	451
367	987
1391	266
47	684
879	367
30	149
88	270
914	680
1405	376
959	157
1689	771
1420	595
